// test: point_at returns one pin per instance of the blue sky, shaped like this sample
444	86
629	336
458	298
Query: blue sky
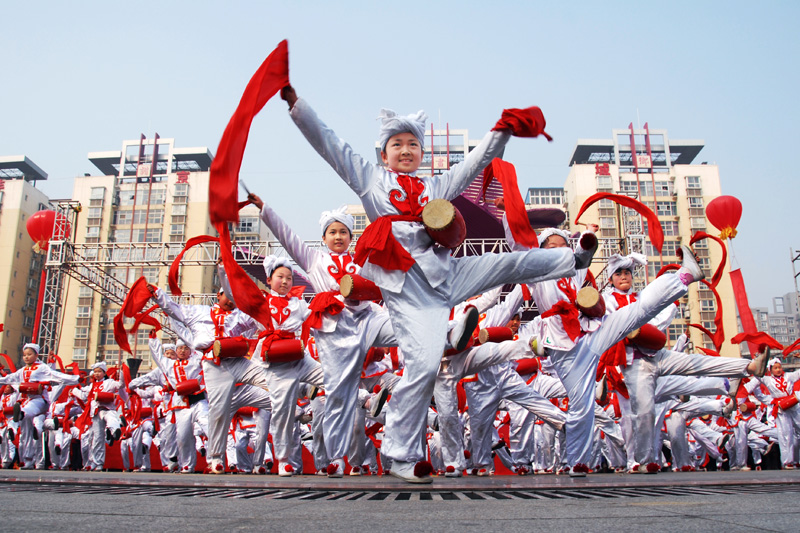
82	77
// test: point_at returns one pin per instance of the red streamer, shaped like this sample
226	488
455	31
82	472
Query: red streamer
518	221
271	77
699	236
654	230
758	338
743	306
528	122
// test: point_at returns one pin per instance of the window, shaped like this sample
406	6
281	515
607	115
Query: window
84	292
79	354
95	212
247	225
707	305
181	189
663	188
628	186
107	337
84	311
604	182
81	333
696	202
93	231
97	193
607	222
698	223
667	209
692	182
179	209
176	229
359	222
27	322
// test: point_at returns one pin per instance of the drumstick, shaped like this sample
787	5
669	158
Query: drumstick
241	182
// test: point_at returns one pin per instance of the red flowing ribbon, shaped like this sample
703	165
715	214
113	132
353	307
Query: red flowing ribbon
518	221
759	338
246	294
146	318
9	362
378	245
743	306
654	230
718	337
706	351
271	77
172	276
134	302
699	236
792	347
528	122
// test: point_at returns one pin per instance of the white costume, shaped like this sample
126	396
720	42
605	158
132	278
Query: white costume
344	338
419	299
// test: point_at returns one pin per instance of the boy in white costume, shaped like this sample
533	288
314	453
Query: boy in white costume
101	403
419	282
345	333
575	342
32	382
780	385
189	405
200	326
643	367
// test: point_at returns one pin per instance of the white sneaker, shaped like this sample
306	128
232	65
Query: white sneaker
465	325
412	472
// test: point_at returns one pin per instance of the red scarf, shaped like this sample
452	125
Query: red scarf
341	266
278	304
566	309
377	244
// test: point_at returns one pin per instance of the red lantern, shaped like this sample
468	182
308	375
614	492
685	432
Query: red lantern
41	226
724	213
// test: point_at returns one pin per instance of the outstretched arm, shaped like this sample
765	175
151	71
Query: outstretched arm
356	172
294	245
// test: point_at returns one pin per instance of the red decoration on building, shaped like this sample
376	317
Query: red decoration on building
183	177
601	169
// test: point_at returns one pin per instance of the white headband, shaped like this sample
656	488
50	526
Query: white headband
101	365
337	215
392	124
629	262
168	347
179	342
35	347
272	263
547	232
771	362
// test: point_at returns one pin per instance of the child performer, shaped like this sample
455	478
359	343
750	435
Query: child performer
643	367
101	403
203	325
781	387
419	282
342	338
32	381
289	311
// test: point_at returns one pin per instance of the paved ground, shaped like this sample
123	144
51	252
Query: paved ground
714	501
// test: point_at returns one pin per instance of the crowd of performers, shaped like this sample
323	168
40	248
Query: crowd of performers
419	378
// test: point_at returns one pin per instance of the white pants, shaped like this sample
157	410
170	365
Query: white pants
641	376
221	383
186	420
788	424
577	368
420	314
284	380
341	353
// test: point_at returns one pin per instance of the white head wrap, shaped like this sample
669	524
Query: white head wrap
392	124
179	342
220	291
616	262
547	232
168	347
337	215
35	347
771	362
272	263
101	365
